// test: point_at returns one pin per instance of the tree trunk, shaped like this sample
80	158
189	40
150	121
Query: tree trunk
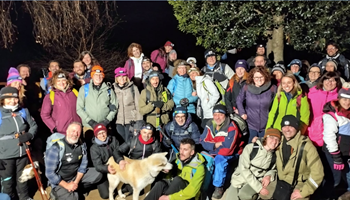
275	44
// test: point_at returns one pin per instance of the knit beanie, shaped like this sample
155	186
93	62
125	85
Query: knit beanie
97	69
272	132
344	93
8	92
209	52
279	67
168	43
98	128
242	63
314	65
290	120
13	76
219	108
295	62
180	110
335	64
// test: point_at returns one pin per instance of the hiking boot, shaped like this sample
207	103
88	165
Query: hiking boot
219	191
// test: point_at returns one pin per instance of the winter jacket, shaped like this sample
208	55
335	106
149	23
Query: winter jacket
311	84
128	104
76	79
195	180
253	171
258	101
228	134
170	69
130	67
134	149
146	107
98	105
317	99
177	133
343	64
299	77
208	95
62	112
310	171
336	132
181	87
232	94
101	153
10	125
156	57
221	68
281	107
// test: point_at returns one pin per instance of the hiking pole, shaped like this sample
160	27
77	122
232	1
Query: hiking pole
167	138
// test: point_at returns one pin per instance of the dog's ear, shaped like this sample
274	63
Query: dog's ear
164	153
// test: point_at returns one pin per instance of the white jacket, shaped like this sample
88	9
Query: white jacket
332	127
208	94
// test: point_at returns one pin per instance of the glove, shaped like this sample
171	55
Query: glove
219	77
25	138
105	122
158	104
184	102
2	165
54	130
168	142
338	161
92	123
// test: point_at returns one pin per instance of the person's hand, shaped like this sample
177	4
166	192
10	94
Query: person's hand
158	104
264	192
122	164
194	93
254	139
105	122
236	111
92	123
218	144
295	195
244	116
25	137
265	181
71	186
111	170
168	142
82	82
164	197
337	160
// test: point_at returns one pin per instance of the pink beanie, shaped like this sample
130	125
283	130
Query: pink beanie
13	76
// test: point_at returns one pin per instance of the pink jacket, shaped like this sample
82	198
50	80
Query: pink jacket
157	58
318	98
62	113
130	68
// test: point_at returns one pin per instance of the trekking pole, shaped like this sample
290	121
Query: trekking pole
167	138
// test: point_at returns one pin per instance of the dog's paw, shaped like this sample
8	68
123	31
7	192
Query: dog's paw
123	196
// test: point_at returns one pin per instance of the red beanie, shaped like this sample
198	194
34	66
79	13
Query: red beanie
98	128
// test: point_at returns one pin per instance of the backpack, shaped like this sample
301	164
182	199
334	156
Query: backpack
21	112
240	122
254	152
46	84
133	144
187	132
164	95
219	87
86	90
52	95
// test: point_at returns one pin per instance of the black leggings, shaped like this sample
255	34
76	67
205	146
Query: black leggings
165	187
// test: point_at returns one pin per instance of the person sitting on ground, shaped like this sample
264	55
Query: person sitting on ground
223	140
185	185
79	75
103	147
69	175
253	175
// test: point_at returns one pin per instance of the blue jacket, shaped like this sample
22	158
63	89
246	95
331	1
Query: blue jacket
181	87
177	133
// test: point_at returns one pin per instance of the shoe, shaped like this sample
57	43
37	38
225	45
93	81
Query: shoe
219	191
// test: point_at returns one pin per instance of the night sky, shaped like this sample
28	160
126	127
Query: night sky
150	24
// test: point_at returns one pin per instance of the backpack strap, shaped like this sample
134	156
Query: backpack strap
254	151
148	96
300	156
273	160
61	147
133	91
171	128
75	92
205	88
299	105
86	89
52	97
277	111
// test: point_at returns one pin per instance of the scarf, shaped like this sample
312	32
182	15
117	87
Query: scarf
99	142
146	142
12	108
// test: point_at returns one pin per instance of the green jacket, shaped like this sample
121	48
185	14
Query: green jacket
98	105
195	180
284	107
310	171
147	109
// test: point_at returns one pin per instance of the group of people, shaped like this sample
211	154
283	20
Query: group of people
297	123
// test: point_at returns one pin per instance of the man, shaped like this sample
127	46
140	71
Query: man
96	102
147	69
259	61
332	49
310	173
155	101
68	175
79	75
44	83
191	172
24	71
222	139
260	51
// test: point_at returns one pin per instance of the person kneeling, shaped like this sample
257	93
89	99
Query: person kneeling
191	173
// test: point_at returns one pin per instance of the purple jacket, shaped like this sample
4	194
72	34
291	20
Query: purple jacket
257	104
156	57
62	113
130	68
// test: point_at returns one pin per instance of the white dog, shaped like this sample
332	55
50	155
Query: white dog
139	174
28	172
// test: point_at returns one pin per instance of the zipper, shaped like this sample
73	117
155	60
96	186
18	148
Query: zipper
144	149
14	119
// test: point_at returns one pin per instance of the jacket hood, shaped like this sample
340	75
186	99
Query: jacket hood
258	90
330	107
197	160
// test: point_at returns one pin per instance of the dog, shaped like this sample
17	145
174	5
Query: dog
139	174
28	172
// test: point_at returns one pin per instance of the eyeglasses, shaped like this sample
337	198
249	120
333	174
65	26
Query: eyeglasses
257	78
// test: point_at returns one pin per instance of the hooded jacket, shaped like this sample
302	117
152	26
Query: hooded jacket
258	101
62	112
128	104
98	105
281	107
253	171
138	150
10	125
149	111
208	95
195	180
181	87
156	57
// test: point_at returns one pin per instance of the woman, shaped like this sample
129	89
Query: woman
325	91
258	95
103	147
134	64
160	55
336	135
15	120
14	80
277	73
289	100
193	72
235	85
59	106
252	176
295	66
88	59
170	65
128	106
331	66
181	87
313	75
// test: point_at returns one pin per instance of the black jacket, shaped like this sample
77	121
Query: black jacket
100	153
134	149
231	95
